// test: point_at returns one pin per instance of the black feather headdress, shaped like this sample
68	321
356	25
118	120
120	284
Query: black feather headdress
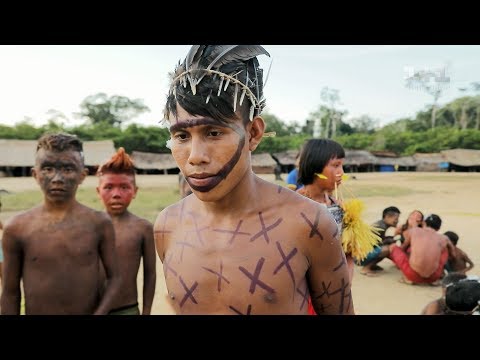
229	64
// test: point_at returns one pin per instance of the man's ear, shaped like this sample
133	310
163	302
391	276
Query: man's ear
83	175
256	129
33	172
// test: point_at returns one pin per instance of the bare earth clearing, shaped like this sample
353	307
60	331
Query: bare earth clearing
453	196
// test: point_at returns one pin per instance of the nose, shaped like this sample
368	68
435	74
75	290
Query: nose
116	193
58	177
198	152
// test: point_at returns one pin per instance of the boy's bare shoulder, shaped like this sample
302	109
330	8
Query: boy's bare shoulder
90	214
22	218
139	221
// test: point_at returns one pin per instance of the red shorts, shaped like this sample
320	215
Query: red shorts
400	258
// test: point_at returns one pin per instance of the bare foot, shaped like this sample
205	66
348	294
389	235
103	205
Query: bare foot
404	280
376	268
369	273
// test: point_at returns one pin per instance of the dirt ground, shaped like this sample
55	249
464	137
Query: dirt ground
453	196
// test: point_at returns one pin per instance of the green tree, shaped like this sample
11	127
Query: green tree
112	110
364	124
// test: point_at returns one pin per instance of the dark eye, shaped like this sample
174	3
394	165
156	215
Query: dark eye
181	136
47	169
214	133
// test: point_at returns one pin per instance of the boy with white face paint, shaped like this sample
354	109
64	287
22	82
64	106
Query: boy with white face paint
240	244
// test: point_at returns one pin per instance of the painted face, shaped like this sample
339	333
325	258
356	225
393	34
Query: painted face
333	172
415	219
117	192
212	155
58	173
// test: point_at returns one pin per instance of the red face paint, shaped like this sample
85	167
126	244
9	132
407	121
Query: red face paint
116	192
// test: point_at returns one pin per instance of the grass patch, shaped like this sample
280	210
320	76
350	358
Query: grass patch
148	203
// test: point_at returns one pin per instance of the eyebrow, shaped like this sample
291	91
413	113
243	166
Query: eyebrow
196	122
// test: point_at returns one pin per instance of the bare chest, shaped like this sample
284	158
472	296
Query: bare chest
248	267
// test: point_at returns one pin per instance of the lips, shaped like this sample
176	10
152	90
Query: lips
203	182
57	191
116	205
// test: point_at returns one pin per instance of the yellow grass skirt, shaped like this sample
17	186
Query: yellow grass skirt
358	237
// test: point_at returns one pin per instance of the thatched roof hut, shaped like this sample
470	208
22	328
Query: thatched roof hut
404	163
17	156
17	153
429	161
462	159
359	160
151	161
98	152
263	163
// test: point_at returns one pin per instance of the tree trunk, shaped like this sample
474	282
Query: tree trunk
477	125
463	117
334	124
434	110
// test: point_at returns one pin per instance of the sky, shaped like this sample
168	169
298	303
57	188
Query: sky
370	79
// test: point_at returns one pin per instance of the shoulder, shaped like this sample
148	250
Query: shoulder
164	214
90	214
19	220
141	222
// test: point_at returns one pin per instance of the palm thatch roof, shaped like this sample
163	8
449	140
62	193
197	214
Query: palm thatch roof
428	161
406	161
21	153
98	152
153	161
263	163
286	157
359	157
462	157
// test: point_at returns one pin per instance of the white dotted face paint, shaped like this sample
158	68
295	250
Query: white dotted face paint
169	144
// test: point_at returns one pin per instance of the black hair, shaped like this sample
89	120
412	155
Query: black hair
315	155
391	210
452	278
463	295
220	102
452	236
433	221
60	142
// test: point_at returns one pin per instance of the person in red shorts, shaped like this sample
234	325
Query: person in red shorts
428	254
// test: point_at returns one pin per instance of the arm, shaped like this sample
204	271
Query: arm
327	277
109	259
12	272
431	308
159	234
408	238
452	251
149	269
468	262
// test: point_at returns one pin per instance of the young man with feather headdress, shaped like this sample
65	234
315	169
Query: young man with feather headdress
239	244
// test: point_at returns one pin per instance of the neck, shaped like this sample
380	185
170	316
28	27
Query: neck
243	196
59	208
313	192
119	217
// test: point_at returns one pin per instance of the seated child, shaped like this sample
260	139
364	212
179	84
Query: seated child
458	262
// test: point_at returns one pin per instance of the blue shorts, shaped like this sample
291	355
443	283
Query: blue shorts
1	251
372	255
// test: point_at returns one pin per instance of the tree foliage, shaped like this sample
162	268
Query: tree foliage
457	126
114	110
